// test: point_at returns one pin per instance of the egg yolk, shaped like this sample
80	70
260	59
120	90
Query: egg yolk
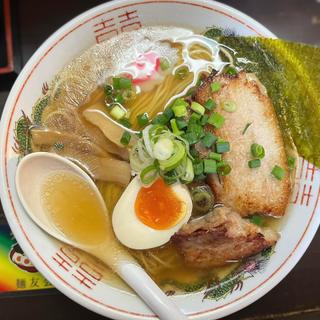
158	206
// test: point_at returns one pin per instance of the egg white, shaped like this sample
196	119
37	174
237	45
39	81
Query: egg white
131	232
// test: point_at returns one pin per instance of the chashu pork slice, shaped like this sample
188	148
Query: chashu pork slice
248	191
220	237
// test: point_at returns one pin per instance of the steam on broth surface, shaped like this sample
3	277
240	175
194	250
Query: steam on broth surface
88	121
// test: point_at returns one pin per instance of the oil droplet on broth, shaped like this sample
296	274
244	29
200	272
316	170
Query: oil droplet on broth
74	208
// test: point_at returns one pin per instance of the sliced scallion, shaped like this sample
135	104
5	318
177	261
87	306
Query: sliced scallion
229	106
168	113
179	108
210	104
117	112
209	166
198	167
149	174
194	118
231	71
163	149
194	153
222	146
189	173
143	119
209	139
215	156
125	122
204	119
215	86
216	119
119	98
121	83
175	128
160	119
196	129
181	123
291	162
108	90
254	163
278	172
125	139
178	155
257	150
191	137
223	168
197	107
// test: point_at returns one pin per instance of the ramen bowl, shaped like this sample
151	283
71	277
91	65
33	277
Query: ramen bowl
79	276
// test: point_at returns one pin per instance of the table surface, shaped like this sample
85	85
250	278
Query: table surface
298	295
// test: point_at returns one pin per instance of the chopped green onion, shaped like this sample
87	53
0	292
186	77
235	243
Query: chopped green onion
108	90
178	155
117	112
143	119
198	167
179	108
278	172
231	71
257	220
204	119
164	64
181	72
209	166
191	137
168	113
246	128
175	128
189	173
119	98
223	168
125	122
291	162
181	123
222	146
197	107
194	118
170	177
125	139
194	153
257	150
215	156
229	106
216	119
215	86
163	149
209	139
121	83
149	174
255	163
210	104
197	129
160	119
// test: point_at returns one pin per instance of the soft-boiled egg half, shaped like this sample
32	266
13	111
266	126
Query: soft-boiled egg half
147	217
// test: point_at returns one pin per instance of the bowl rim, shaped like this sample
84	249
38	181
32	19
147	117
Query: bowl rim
21	235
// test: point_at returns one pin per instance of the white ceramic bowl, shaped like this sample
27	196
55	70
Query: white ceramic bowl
64	267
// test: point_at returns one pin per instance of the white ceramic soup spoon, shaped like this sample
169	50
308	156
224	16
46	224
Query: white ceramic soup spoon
33	170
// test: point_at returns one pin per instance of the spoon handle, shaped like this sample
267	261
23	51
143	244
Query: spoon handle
152	295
